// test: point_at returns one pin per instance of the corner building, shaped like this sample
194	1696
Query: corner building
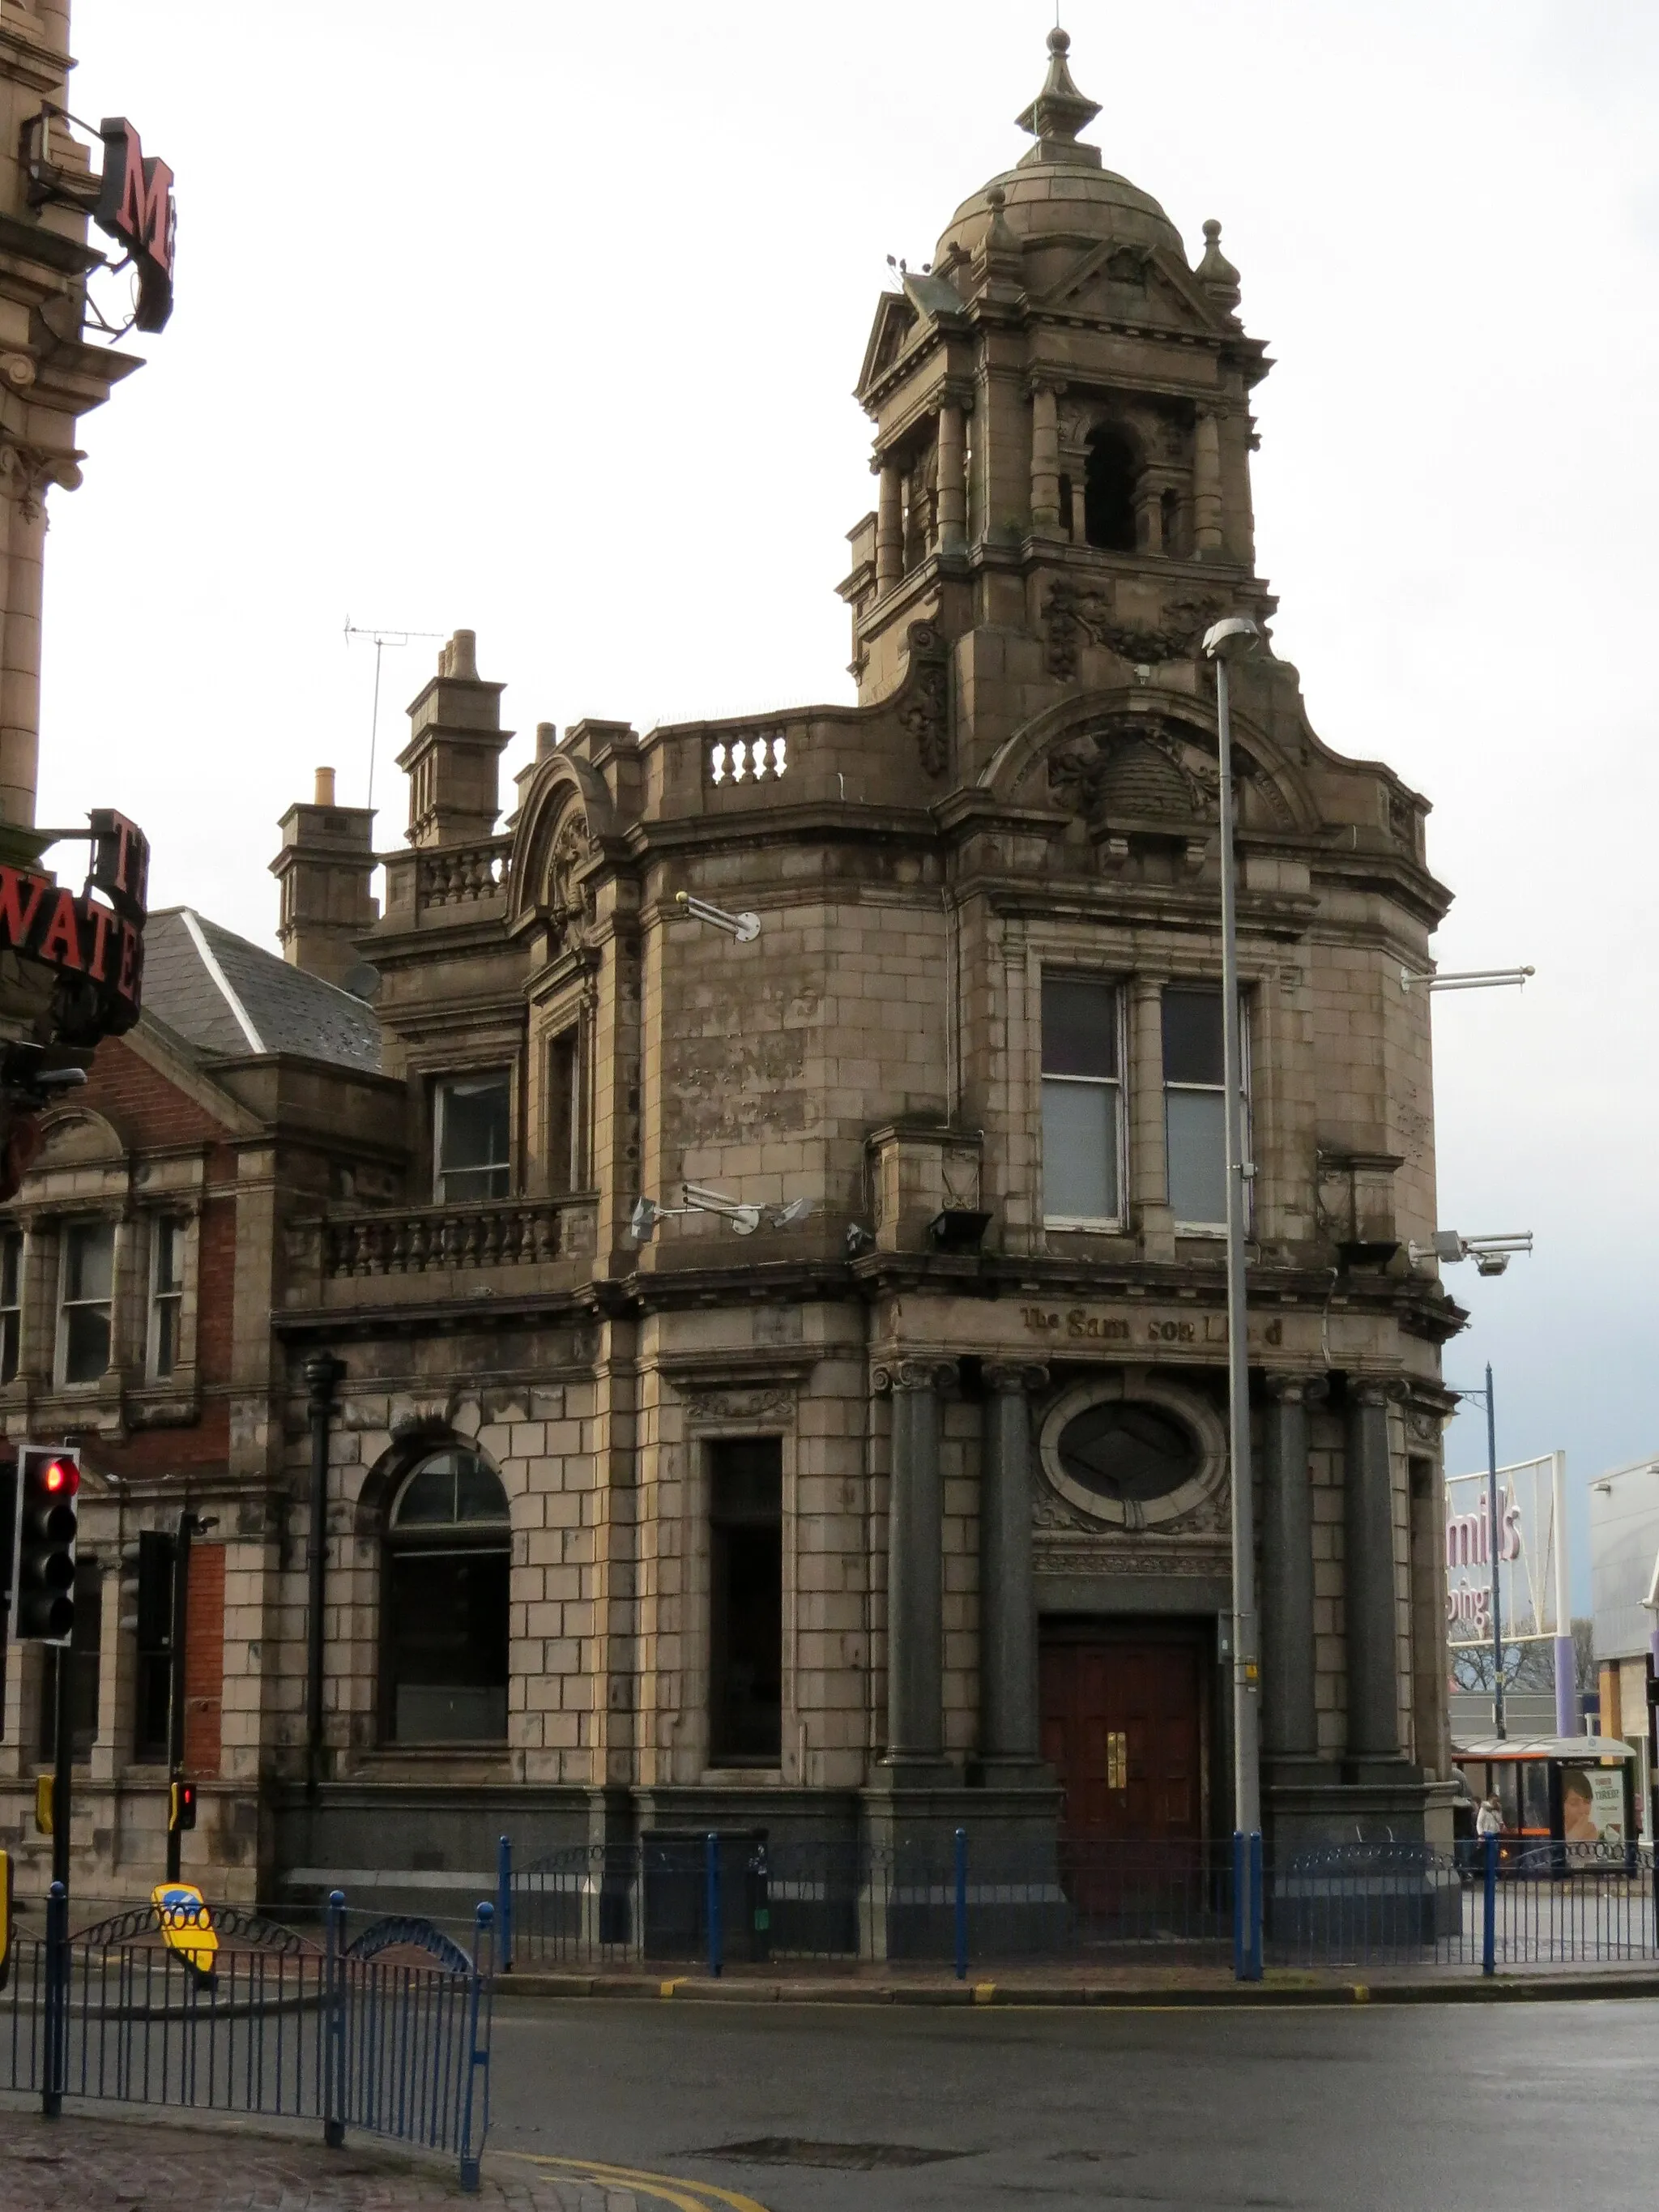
906	1503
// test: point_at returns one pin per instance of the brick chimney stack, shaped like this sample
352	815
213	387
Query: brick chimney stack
324	871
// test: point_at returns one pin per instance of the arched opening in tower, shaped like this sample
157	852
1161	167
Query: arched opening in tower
1108	492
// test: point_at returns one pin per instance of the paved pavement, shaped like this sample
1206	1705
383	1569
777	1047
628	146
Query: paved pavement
1365	2108
86	2162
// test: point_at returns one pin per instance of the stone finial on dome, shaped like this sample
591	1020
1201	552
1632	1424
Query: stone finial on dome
1060	110
1215	272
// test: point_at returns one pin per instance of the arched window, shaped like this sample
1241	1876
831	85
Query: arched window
1108	490
446	1562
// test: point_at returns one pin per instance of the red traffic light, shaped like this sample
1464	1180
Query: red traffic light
61	1479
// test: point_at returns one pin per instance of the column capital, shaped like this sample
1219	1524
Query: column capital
1299	1390
26	471
958	394
914	1374
1010	1376
1378	1390
1050	386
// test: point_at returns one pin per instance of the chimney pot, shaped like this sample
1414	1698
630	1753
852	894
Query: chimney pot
461	659
325	794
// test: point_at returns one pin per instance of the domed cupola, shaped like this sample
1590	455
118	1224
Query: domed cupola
1062	439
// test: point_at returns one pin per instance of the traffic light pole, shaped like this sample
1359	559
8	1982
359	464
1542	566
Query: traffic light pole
62	1765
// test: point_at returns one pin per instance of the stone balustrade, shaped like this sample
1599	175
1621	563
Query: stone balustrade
458	875
760	758
446	1239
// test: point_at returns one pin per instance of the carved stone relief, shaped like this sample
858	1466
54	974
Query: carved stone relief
1071	617
923	708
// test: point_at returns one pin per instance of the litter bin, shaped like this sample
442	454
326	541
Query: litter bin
674	1867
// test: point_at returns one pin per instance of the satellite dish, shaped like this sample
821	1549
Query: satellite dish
362	980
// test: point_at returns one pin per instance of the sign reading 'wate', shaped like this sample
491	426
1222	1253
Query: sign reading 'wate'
96	944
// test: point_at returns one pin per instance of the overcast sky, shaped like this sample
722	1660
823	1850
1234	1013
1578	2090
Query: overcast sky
542	318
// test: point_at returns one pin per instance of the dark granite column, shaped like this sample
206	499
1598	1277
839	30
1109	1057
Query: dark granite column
1290	1721
1010	1749
915	1572
1369	1579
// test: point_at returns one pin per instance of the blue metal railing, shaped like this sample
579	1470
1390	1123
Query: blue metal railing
389	2031
731	1900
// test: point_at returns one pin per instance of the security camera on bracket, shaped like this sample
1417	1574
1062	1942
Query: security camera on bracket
1491	1255
744	1218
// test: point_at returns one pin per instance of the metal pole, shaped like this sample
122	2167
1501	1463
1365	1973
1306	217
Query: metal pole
322	1372
177	1633
63	1753
374	721
1499	1728
1567	1721
1247	1781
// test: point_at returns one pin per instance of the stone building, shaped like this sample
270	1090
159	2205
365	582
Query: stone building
769	1366
136	1290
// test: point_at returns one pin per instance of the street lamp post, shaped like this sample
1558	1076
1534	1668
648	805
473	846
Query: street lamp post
1237	632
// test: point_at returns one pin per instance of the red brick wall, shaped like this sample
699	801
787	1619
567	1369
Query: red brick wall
150	1111
204	1659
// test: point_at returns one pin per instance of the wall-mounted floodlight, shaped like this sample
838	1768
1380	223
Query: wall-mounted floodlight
1491	1255
1471	979
746	927
744	1218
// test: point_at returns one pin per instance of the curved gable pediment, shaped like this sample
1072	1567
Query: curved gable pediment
566	813
1121	759
80	1136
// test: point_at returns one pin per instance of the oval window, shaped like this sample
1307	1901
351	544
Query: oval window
1128	1453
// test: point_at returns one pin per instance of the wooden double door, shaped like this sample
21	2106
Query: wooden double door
1125	1726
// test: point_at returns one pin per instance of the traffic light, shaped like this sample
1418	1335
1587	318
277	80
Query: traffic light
181	1805
43	1583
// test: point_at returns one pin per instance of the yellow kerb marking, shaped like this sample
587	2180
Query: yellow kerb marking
671	2188
668	1989
1361	1993
985	1992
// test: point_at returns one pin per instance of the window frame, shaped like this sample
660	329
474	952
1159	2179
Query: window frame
566	1101
12	1258
1213	988
441	1085
438	1539
72	1227
1119	1084
162	1227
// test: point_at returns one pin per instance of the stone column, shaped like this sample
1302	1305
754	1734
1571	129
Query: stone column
890	528
1148	1192
1290	1720
1206	485
915	1572
25	473
1368	1578
1010	1746
952	508
1045	457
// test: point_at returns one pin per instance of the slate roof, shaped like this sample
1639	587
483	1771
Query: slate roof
233	999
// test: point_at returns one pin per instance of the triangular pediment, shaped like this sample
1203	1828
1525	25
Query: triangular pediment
1121	282
895	318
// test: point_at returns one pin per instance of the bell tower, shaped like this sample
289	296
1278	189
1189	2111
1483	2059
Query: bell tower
1061	405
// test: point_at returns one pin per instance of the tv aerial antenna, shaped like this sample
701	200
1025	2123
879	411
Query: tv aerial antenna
379	639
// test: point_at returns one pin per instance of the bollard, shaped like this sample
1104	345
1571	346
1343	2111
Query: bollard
57	2003
962	1905
1241	1887
1489	1938
504	1903
711	1877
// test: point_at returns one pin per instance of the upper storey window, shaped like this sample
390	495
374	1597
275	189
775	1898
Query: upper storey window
1194	1106
1082	1107
87	1297
471	1124
1108	490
